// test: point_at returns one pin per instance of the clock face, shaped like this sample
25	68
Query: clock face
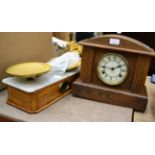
113	69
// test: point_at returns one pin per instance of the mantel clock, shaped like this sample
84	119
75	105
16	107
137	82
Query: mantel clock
113	71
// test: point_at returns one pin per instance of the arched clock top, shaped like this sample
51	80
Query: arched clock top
119	43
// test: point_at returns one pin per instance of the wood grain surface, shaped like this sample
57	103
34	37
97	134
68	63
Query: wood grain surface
39	100
130	93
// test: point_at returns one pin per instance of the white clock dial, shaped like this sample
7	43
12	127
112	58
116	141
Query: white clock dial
112	69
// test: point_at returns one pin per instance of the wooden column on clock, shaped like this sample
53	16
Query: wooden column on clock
130	93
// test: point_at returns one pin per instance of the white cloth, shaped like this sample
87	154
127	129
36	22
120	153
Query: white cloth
62	63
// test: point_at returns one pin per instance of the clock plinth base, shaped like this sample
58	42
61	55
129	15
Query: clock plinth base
109	95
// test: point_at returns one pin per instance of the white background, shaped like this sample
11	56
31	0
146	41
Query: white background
77	138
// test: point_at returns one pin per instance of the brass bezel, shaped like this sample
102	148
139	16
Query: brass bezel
99	73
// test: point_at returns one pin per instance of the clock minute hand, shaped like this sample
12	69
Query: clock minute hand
119	66
112	68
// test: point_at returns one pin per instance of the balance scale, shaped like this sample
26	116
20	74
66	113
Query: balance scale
33	96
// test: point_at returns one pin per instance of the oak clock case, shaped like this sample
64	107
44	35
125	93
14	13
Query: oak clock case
114	70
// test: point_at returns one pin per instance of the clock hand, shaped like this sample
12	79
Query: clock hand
119	66
113	68
108	67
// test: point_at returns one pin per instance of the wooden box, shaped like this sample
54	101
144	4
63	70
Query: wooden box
42	93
